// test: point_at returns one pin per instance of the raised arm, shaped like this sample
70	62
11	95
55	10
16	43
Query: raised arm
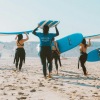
57	32
89	43
16	37
27	37
34	31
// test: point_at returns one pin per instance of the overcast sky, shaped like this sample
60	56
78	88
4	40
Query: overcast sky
81	16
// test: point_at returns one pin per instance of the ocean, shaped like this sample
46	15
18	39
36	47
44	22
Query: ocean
31	49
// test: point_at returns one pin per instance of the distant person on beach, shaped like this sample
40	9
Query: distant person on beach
45	47
83	56
55	53
20	52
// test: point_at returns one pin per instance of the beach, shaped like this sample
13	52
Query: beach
29	84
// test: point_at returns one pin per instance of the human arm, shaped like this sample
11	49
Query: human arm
34	31
16	37
57	32
27	37
89	43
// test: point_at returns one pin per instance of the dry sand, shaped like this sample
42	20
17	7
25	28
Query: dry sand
30	84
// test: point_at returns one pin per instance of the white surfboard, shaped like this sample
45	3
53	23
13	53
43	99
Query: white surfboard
50	23
97	36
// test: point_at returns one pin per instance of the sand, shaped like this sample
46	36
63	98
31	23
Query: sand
29	84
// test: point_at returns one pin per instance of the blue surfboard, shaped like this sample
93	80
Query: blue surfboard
94	55
69	42
15	33
50	23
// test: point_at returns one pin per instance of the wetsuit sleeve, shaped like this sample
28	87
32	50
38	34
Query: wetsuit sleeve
57	32
34	31
89	43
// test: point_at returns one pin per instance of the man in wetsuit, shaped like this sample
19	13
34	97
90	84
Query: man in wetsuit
45	47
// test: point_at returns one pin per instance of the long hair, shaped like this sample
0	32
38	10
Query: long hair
84	42
20	36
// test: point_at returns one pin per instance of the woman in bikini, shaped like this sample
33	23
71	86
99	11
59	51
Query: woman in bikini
83	56
20	52
55	53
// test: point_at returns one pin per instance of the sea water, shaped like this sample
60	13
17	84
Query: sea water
32	49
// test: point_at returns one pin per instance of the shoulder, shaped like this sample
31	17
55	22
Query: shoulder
38	33
52	34
21	41
81	44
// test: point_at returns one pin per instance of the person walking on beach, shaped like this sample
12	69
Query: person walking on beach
45	47
55	53
83	56
20	52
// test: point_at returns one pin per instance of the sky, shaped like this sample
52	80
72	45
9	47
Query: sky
75	16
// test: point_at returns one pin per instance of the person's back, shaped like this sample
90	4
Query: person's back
83	56
45	47
83	46
55	53
20	52
53	47
20	44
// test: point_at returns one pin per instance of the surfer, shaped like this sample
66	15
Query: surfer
45	47
83	55
20	52
55	53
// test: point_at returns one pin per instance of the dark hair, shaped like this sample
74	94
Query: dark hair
84	42
20	36
45	28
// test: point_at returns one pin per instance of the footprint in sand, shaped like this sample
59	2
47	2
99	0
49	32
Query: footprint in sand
21	98
20	93
1	88
33	90
41	85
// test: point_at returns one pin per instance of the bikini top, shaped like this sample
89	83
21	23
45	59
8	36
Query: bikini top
18	44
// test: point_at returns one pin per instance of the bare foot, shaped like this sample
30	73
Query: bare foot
49	76
57	72
86	74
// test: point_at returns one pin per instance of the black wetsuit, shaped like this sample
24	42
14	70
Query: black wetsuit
19	55
59	61
45	48
82	59
45	53
56	57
